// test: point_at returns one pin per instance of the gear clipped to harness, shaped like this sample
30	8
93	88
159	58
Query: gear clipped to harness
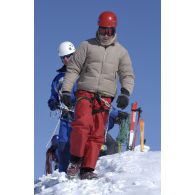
99	99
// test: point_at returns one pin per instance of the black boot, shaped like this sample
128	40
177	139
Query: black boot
74	166
87	173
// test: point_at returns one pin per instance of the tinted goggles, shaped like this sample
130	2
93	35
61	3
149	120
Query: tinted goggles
106	31
67	56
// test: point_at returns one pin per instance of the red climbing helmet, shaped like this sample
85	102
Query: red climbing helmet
107	19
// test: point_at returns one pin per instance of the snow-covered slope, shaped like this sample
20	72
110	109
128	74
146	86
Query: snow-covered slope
136	173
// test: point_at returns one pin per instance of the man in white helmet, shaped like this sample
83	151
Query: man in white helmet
65	51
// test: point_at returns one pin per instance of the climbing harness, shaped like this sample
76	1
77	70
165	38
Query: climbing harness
99	98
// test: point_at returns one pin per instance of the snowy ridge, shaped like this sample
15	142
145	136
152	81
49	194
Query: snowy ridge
119	174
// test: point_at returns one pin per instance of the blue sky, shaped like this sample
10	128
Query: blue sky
138	30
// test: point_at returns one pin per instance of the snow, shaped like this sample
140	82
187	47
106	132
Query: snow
138	148
119	174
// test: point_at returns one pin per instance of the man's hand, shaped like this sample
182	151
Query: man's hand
66	99
53	104
123	99
122	115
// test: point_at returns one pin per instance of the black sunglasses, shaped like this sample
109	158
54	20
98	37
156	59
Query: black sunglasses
106	31
67	56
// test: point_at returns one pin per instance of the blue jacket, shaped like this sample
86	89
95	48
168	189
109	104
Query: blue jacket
65	128
56	87
113	114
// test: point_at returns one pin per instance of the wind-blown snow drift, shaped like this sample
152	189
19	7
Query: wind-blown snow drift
125	173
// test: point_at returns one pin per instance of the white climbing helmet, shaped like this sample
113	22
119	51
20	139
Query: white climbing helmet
66	48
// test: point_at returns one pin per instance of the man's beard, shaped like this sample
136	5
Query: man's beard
107	41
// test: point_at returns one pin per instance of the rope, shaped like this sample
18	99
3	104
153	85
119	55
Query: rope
119	147
61	107
123	134
54	132
109	106
64	107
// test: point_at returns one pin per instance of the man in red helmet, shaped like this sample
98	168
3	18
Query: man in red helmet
96	64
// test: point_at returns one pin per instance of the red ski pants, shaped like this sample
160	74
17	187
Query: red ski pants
88	130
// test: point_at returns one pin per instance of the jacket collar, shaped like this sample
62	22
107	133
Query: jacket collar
62	69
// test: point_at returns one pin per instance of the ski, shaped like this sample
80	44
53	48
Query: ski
132	124
139	110
141	134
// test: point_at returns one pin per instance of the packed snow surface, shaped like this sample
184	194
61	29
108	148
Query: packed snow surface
126	173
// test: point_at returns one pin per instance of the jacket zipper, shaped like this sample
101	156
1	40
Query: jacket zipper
101	69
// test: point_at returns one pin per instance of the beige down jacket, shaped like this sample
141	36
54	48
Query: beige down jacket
97	67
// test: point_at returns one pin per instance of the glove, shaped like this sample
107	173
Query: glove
123	99
53	104
66	99
122	115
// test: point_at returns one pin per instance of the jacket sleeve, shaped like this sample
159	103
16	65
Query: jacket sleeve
74	67
125	72
73	93
112	117
54	91
55	87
